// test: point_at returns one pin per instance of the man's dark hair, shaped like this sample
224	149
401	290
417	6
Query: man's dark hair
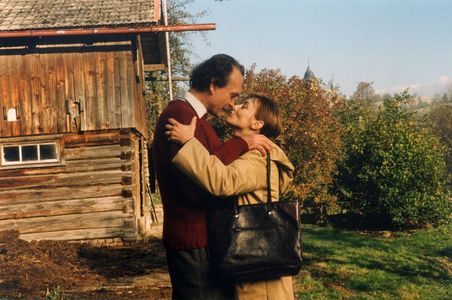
214	70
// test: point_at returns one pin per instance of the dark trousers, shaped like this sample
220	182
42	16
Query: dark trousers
191	277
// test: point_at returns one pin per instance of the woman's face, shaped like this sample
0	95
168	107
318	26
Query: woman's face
243	114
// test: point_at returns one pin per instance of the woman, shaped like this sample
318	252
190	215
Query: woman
257	115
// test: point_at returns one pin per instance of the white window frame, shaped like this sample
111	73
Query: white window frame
31	162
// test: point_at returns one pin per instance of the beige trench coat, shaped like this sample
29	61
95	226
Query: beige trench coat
245	177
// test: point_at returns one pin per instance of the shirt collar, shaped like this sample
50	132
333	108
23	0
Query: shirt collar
199	108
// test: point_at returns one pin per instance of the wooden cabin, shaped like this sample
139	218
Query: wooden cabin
73	133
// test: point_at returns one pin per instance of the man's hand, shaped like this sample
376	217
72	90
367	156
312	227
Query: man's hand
259	142
178	132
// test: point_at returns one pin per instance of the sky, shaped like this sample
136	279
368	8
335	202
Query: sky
396	44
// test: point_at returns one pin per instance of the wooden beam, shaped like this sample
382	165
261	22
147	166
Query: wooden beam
155	67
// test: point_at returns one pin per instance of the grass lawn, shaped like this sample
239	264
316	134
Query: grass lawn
351	265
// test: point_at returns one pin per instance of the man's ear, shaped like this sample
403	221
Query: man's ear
257	124
212	88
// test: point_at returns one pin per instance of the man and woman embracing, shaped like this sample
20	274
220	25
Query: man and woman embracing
197	175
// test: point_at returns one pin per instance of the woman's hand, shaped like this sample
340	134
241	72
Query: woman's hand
178	132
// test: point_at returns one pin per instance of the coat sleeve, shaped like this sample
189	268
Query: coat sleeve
231	150
244	175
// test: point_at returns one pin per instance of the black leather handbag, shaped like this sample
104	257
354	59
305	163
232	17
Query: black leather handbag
256	242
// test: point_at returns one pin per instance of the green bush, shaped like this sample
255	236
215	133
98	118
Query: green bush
393	174
440	118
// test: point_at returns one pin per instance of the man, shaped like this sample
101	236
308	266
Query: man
214	85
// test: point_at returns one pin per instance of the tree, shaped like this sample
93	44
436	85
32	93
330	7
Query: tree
440	117
365	91
311	133
449	91
393	174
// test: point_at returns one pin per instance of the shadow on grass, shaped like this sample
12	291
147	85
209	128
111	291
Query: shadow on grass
339	239
413	267
125	261
381	261
447	252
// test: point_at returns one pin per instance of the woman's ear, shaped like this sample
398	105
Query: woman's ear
257	124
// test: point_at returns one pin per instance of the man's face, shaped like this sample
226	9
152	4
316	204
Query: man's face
221	97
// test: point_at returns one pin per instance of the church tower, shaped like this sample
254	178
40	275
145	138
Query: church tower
309	74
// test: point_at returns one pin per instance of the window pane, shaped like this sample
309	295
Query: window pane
29	152
48	151
11	153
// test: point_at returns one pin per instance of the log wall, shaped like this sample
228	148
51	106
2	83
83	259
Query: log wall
95	193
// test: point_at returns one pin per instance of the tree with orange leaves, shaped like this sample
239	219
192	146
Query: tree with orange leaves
311	133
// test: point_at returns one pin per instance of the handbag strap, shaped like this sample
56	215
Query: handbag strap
269	190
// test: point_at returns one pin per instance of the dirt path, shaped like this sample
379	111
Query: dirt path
83	271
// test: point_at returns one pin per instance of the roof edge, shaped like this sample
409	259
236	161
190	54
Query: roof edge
106	30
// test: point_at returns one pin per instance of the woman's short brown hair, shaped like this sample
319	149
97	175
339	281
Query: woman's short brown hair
268	112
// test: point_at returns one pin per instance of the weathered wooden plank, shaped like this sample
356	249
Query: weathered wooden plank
21	172
52	122
89	70
4	95
139	112
144	176
93	152
126	87
117	88
60	98
82	234
140	116
60	107
140	62
14	92
69	93
136	187
36	108
97	162
132	88
34	138
40	194
102	121
44	91
75	166
60	180
65	207
110	104
79	86
91	139
25	94
70	222
114	140
96	166
155	67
